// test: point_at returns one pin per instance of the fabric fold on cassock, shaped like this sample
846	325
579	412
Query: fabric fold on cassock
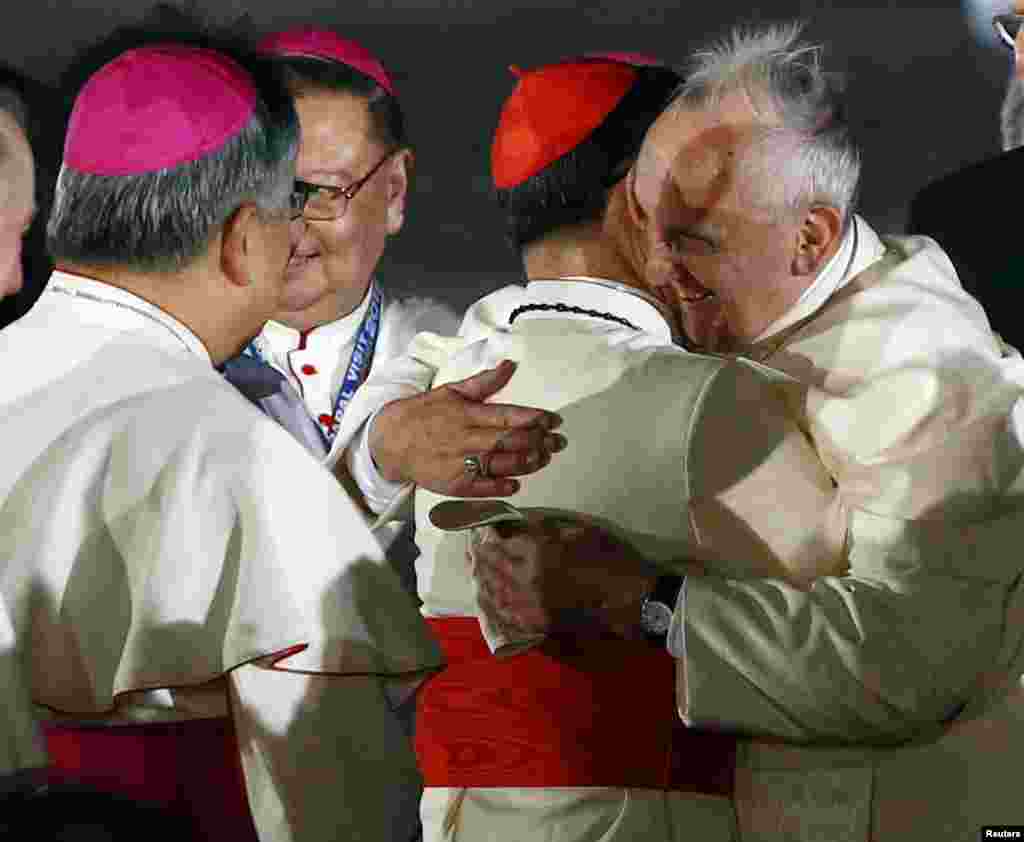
168	599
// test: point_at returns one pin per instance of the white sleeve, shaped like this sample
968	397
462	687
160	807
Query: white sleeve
400	377
895	637
378	492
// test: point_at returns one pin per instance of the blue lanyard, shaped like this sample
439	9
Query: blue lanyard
358	365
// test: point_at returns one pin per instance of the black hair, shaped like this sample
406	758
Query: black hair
574	188
302	74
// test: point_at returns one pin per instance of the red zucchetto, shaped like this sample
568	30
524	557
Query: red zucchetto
156	107
552	110
310	42
635	59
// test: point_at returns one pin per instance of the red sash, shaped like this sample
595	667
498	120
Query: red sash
190	768
561	715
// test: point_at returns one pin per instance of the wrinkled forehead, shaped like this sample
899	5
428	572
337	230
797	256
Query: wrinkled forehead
690	159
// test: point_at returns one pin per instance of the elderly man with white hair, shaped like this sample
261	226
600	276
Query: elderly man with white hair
744	192
194	633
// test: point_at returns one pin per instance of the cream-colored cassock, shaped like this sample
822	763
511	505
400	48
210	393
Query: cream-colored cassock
151	538
906	399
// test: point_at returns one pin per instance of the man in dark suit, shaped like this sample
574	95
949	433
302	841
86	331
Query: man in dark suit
955	210
952	209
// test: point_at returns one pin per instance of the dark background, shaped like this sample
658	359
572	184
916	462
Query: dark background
925	92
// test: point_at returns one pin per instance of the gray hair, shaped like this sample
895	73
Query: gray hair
161	221
806	154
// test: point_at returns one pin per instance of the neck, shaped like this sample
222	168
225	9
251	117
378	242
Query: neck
331	307
208	310
583	250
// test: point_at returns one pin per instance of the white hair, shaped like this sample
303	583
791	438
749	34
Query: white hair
806	154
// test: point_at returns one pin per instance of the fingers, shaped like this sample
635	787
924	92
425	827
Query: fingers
515	604
467	486
534	437
482	385
509	416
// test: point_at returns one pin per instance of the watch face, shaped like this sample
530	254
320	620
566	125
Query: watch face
655	617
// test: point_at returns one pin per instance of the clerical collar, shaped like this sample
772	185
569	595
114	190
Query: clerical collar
282	339
859	248
117	307
626	303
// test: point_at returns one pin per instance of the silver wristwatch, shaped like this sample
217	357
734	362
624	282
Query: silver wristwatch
658	606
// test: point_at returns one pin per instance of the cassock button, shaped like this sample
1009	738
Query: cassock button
308	369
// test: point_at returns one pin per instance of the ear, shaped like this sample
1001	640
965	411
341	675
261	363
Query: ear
633	220
399	174
637	216
237	245
620	230
817	239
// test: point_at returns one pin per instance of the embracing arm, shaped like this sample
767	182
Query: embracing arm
891	636
401	431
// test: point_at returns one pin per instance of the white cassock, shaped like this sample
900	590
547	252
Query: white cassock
153	541
911	407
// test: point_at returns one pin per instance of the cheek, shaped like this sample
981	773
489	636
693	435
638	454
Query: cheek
354	240
10	266
283	246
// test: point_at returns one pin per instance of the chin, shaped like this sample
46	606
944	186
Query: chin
302	291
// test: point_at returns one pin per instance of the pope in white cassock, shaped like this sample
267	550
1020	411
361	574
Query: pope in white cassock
193	631
852	491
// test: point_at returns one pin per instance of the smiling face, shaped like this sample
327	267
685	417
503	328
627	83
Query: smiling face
729	264
17	201
333	261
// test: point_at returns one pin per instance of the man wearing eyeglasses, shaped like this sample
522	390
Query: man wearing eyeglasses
978	242
335	320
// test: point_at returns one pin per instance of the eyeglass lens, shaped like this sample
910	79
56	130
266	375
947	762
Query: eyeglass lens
325	204
1007	26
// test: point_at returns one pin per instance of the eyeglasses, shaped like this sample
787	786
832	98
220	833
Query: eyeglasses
322	202
1007	27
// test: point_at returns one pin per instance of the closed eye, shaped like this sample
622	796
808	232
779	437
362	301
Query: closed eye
689	242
